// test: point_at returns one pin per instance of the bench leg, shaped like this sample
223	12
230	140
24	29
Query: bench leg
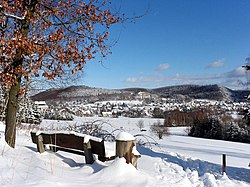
53	148
88	153
40	145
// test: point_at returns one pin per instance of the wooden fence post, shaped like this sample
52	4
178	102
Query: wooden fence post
224	166
125	144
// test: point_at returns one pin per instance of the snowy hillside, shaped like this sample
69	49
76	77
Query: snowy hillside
180	92
176	160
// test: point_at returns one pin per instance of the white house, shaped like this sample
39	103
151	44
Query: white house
41	105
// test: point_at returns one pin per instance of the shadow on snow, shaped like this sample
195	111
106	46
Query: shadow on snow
200	166
71	162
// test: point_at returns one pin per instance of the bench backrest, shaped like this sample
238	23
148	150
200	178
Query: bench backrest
70	141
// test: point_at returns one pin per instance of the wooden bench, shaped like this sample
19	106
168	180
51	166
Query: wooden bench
71	142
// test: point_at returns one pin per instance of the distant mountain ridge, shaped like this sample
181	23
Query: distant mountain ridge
92	94
210	92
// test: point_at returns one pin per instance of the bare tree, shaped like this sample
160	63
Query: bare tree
140	124
159	129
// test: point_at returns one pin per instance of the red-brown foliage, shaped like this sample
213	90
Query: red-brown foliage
49	37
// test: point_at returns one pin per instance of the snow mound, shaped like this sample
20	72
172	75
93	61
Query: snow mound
119	172
135	152
125	136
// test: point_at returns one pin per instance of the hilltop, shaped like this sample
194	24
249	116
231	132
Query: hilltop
180	92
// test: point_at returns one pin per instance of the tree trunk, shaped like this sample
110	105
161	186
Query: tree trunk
11	113
12	106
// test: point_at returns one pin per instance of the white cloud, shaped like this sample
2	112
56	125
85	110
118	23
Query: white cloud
229	79
216	64
238	72
149	79
162	67
135	80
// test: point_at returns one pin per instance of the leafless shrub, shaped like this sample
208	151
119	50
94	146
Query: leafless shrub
93	128
145	140
159	129
140	124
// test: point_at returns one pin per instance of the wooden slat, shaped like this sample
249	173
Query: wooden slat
64	140
97	147
56	148
33	137
70	141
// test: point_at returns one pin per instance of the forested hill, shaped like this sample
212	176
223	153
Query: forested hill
91	94
210	92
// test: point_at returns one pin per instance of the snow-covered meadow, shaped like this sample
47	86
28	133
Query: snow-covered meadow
176	160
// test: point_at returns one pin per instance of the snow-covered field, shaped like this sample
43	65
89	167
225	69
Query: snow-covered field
176	160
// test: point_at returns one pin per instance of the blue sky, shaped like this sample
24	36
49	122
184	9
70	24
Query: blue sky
176	42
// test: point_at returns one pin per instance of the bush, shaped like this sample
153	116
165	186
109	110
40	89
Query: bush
93	128
140	124
215	129
207	128
158	113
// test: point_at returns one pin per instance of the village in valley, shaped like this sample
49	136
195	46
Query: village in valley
140	104
133	108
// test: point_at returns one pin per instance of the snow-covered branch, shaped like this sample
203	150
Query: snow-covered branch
12	16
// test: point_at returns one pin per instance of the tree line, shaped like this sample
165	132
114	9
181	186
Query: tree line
210	123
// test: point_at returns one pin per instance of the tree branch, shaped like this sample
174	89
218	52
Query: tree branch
12	16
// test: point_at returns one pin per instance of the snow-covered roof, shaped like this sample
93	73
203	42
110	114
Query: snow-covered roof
40	103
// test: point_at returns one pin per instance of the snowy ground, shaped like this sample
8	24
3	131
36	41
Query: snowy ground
176	160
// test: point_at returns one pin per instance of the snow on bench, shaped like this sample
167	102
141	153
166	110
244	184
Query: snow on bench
72	142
